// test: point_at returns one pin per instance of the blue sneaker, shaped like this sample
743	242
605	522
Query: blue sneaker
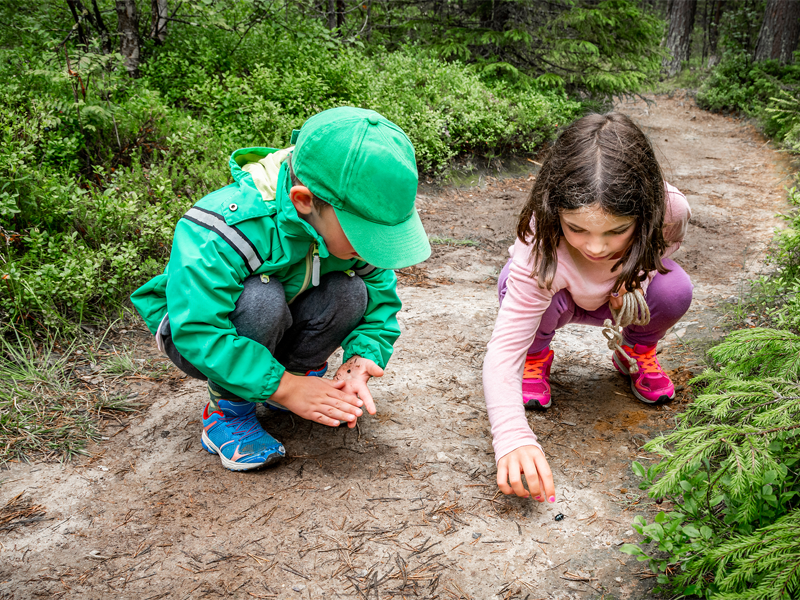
233	432
310	373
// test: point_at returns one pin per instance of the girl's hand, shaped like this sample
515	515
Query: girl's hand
530	461
616	301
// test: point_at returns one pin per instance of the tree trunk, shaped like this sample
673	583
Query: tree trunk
83	39
159	12
331	14
128	28
718	7
340	14
779	32
681	21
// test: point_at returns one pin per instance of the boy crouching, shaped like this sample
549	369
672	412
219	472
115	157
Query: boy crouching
269	275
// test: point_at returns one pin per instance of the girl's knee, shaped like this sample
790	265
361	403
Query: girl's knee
672	291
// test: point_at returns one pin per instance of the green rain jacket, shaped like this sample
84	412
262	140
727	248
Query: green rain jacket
230	235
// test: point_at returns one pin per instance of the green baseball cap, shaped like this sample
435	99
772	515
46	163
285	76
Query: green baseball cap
363	165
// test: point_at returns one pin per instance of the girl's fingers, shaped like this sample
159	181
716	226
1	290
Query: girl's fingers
515	479
545	476
502	477
531	475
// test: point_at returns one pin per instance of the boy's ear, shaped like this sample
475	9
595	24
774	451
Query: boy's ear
302	199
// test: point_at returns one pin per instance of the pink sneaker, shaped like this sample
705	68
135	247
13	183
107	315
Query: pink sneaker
650	384
536	379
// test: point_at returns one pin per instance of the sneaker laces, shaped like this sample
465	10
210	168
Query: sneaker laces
245	425
634	311
533	367
648	361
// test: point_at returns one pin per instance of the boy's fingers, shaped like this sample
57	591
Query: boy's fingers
351	399
340	407
324	420
363	392
374	370
340	415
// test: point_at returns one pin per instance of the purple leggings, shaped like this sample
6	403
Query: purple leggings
668	298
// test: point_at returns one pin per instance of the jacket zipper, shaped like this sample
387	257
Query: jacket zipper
312	270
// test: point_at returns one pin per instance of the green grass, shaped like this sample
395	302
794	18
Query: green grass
46	410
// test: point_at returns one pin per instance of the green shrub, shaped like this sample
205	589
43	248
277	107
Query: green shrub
766	91
96	168
731	468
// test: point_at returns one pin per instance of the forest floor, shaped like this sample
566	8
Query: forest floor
406	506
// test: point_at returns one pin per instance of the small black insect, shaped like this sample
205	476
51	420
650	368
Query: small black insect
559	517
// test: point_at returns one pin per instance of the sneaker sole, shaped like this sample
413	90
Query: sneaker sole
536	405
209	447
624	371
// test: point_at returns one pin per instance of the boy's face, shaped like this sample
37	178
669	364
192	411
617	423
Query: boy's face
324	222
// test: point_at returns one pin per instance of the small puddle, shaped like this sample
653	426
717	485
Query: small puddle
624	421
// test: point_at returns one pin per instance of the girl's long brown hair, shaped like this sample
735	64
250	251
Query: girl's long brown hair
605	160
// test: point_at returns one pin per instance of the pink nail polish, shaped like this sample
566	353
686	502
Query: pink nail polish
538	498
552	499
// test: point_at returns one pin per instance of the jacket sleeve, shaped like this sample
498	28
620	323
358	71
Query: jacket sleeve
375	336
518	320
205	280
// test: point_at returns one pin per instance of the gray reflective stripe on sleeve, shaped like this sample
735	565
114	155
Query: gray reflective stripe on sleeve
235	238
159	339
365	270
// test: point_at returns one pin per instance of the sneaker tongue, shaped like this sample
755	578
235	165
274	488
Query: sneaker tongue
236	409
642	349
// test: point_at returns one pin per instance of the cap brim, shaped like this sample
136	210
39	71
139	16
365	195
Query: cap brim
386	246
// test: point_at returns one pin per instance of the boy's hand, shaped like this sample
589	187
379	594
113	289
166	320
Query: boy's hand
318	400
530	461
355	374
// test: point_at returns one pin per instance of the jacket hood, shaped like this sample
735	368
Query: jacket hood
290	226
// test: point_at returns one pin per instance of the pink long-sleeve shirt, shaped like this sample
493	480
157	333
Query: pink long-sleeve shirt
525	302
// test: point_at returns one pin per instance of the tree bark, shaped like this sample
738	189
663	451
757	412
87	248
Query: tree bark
681	21
340	14
718	7
83	39
780	31
159	12
331	14
128	28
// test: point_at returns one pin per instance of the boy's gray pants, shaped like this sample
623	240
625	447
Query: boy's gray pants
301	336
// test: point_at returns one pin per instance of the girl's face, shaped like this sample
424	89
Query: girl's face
597	235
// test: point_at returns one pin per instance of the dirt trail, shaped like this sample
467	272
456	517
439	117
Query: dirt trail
406	506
